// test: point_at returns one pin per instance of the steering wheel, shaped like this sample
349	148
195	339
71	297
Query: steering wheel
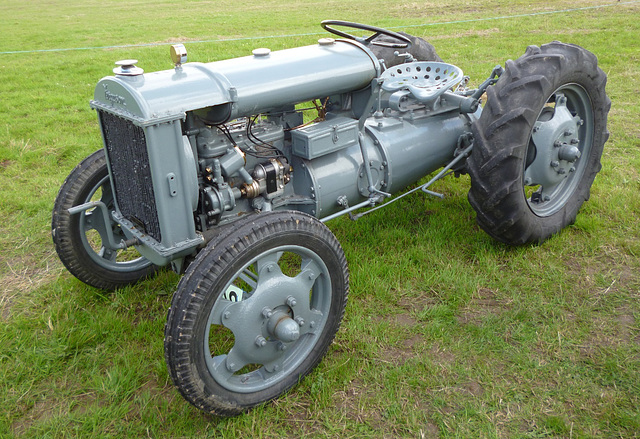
405	42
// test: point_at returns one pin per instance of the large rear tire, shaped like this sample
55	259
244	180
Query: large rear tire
538	143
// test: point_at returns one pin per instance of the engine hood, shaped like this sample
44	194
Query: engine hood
241	86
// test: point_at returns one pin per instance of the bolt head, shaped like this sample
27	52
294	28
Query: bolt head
261	341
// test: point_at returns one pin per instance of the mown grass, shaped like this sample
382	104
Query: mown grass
447	332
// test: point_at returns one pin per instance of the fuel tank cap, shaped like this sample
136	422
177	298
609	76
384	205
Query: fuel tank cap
326	41
127	67
262	51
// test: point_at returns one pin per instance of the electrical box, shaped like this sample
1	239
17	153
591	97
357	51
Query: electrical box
325	137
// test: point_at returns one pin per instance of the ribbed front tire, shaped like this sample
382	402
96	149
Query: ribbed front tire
256	311
79	238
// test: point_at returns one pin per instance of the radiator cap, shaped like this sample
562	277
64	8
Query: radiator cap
127	67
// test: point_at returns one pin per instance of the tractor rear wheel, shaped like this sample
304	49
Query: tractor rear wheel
538	143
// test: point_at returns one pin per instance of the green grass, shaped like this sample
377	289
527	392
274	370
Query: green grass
447	332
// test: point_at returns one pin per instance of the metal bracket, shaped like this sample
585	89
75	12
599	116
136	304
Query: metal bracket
492	79
367	169
342	201
111	243
460	155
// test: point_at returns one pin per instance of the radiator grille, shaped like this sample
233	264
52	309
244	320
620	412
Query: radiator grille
129	160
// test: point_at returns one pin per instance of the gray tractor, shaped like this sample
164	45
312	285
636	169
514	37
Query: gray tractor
212	169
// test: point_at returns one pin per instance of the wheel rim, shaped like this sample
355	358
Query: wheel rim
558	150
268	319
93	234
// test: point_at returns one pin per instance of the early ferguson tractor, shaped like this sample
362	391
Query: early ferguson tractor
209	168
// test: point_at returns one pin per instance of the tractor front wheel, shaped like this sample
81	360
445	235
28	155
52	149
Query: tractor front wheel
80	238
538	143
256	311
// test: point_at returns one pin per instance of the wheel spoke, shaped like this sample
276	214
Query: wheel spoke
303	284
243	318
304	311
245	321
216	317
268	259
108	254
275	366
250	278
107	195
372	37
311	320
404	42
90	221
235	360
311	266
218	364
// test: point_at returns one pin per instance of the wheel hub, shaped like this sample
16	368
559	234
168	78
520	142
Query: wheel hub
268	323
556	141
283	327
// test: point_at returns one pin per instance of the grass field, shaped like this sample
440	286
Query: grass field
447	332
